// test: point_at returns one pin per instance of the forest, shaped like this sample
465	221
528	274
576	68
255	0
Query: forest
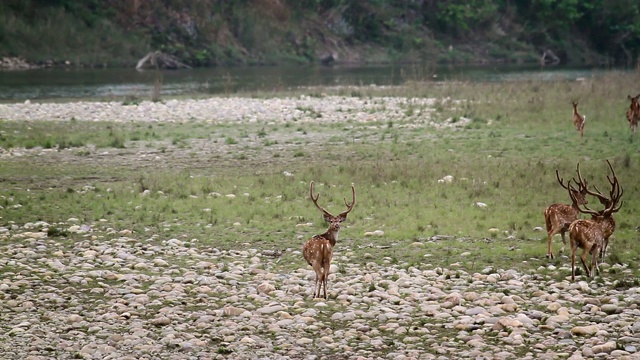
111	33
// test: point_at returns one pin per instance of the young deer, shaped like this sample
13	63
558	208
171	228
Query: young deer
318	250
591	234
578	120
558	217
633	114
606	202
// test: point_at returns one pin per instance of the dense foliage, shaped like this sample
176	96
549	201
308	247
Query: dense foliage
217	32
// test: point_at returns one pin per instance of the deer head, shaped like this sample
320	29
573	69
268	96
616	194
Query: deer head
334	221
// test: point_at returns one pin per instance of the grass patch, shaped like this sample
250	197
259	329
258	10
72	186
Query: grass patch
505	156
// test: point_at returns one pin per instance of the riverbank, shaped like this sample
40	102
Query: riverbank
215	110
174	229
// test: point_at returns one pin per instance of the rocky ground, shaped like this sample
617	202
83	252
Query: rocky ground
15	63
102	293
115	295
231	109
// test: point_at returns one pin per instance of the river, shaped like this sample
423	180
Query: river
108	84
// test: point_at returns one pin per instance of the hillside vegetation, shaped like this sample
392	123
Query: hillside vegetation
264	32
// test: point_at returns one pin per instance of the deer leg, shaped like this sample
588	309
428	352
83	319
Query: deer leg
583	259
319	287
594	259
550	233
603	250
549	253
325	280
318	283
315	286
564	242
573	261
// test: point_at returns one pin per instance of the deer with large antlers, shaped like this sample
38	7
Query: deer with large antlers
558	217
592	234
318	250
633	114
578	120
614	194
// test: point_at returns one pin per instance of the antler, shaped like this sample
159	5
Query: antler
349	206
572	195
315	201
611	202
604	200
616	191
324	211
560	180
582	184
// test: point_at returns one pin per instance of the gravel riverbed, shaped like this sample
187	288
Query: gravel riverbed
116	294
231	109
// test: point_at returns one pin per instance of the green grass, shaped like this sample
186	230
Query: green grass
505	157
73	134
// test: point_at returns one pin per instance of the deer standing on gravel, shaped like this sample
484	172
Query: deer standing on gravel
558	217
578	120
318	250
606	202
591	234
633	114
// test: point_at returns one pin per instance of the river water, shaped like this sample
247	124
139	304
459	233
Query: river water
117	83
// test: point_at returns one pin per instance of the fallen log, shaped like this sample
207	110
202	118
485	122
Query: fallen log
549	58
158	59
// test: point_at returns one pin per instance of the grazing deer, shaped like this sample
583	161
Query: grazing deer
318	250
558	217
578	120
591	234
606	202
633	114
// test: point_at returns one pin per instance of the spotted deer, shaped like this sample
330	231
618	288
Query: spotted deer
606	202
633	114
591	234
578	120
558	217
318	250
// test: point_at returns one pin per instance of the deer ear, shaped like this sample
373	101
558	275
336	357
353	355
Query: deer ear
327	218
342	218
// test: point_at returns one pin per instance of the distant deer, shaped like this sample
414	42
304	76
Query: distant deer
318	250
606	201
578	120
591	234
558	217
633	114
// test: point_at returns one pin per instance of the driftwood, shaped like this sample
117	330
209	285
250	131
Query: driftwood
549	58
329	58
159	59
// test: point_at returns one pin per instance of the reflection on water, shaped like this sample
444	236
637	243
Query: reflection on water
107	83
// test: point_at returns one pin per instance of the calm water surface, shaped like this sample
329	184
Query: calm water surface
106	83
